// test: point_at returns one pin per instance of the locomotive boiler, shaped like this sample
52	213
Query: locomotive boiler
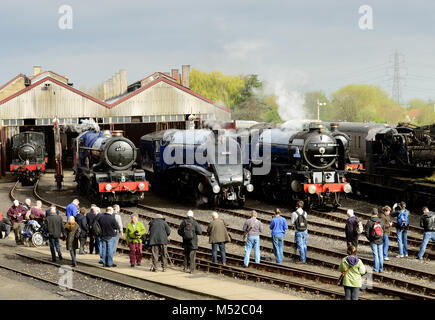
196	164
305	164
105	167
29	156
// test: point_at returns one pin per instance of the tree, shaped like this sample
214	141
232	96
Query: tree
217	86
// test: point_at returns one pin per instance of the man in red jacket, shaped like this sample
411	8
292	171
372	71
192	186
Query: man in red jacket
16	215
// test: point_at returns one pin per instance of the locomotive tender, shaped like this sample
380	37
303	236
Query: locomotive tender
104	167
196	163
308	164
29	157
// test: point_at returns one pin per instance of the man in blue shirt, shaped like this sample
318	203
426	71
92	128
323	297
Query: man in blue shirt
72	209
279	226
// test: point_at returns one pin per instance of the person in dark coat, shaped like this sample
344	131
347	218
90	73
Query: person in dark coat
71	238
159	231
108	238
93	242
5	225
83	224
190	240
374	231
16	216
218	236
55	228
350	229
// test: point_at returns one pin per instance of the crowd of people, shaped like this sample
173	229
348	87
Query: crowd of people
104	231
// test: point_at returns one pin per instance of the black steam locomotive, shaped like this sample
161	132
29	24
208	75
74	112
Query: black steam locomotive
29	157
104	167
199	165
308	164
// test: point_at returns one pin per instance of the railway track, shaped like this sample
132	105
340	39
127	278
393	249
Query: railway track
424	292
420	292
34	276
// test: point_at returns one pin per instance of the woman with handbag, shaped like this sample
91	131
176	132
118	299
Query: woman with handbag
352	270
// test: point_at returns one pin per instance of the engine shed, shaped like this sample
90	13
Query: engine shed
159	101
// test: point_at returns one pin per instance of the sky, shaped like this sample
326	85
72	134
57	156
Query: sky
298	46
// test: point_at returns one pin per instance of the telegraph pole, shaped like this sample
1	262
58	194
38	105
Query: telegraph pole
397	78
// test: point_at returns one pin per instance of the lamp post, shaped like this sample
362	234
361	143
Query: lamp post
318	108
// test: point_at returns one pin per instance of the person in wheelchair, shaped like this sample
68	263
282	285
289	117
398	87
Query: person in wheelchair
30	227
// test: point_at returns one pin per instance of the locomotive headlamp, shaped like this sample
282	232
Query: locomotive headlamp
250	188
216	189
141	186
312	189
108	187
347	188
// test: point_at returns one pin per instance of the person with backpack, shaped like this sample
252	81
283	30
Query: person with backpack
299	222
374	232
427	221
72	236
385	217
94	242
252	228
352	229
353	270
133	235
279	226
402	227
189	230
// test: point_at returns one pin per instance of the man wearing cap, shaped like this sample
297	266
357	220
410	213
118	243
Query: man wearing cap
189	230
159	232
16	215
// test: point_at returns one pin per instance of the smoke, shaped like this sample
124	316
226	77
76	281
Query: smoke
290	102
85	125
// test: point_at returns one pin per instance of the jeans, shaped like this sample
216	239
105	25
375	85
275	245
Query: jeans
402	239
73	257
252	241
351	293
386	245
106	252
54	243
99	245
426	237
115	246
301	238
278	247
378	256
221	246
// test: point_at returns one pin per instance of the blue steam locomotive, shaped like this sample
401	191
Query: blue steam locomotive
308	164
198	164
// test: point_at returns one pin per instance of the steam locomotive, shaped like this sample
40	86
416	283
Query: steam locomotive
199	165
397	161
104	167
29	157
308	164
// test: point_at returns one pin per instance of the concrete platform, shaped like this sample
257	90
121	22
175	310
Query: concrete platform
200	281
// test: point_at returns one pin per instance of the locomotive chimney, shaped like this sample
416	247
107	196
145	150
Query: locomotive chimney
334	127
117	133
